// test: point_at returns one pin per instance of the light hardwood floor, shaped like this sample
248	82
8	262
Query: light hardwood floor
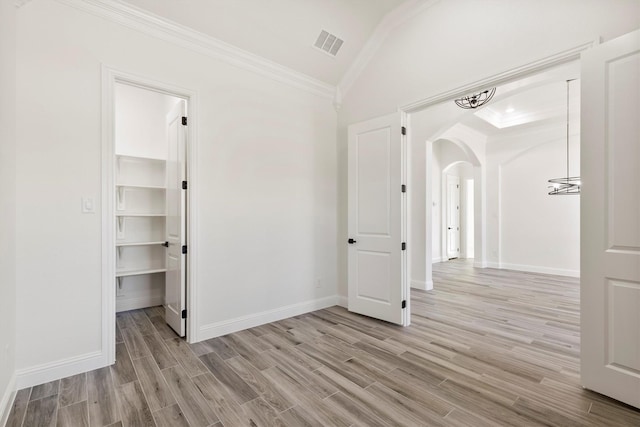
485	348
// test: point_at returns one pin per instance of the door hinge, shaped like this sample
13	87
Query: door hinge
184	314
184	121
404	188
404	130
404	303
184	249
404	246
184	185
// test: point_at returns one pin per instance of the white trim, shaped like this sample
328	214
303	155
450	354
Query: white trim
421	284
489	264
8	398
224	327
559	58
343	301
126	304
47	372
391	20
164	29
540	269
437	260
109	77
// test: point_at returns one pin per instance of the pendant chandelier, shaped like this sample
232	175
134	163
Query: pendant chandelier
475	100
568	185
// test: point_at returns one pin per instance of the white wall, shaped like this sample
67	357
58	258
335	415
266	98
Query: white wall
7	204
430	54
140	121
265	188
530	230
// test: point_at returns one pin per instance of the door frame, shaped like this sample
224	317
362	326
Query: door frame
111	76
534	67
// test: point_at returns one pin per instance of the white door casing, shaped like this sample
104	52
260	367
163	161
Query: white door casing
610	219
376	220
453	216
175	289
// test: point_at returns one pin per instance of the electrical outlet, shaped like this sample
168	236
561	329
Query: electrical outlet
318	283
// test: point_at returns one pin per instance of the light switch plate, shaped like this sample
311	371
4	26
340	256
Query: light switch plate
88	205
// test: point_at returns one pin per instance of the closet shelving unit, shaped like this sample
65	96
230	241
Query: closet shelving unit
140	216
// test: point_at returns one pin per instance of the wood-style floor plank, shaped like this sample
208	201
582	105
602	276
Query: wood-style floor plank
133	406
45	390
159	351
75	415
122	371
223	372
171	416
153	384
19	408
42	412
193	404
72	390
485	348
101	398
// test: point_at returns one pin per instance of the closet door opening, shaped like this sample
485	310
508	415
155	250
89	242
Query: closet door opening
150	149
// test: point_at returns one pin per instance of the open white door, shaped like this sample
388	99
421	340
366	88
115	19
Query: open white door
610	219
175	294
377	206
453	216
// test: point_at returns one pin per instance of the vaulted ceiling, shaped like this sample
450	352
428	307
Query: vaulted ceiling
283	31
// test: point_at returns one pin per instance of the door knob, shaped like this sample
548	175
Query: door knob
351	241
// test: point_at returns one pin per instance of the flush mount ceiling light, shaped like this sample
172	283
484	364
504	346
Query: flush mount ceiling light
475	100
570	184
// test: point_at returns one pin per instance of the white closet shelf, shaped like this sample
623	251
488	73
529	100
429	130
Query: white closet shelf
149	243
140	214
142	158
150	187
132	272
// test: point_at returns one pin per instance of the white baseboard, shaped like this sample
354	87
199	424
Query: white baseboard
126	304
419	284
343	301
436	260
244	322
422	285
541	269
486	264
59	369
7	400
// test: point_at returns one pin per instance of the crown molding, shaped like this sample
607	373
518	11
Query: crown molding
391	20
164	29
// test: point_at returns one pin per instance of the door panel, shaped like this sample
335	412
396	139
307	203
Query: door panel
453	216
375	258
610	219
175	289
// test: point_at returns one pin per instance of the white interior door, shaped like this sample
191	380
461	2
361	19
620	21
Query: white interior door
175	289
453	216
610	219
376	259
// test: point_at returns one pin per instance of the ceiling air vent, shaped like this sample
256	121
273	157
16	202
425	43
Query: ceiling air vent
328	43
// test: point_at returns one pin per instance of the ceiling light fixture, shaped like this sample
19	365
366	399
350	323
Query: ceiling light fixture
570	184
475	100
